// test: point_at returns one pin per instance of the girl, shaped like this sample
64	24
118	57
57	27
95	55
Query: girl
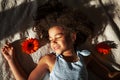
66	63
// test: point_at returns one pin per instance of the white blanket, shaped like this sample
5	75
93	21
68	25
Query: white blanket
16	22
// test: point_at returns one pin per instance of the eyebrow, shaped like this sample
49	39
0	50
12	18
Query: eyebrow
58	34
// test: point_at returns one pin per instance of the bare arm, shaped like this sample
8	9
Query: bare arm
8	53
40	70
36	74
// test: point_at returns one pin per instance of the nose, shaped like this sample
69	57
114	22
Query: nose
53	41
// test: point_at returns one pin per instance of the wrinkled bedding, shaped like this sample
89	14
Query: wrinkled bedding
16	22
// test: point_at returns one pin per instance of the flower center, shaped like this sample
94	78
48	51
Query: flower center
30	45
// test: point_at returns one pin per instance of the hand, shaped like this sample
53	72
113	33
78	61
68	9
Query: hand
8	52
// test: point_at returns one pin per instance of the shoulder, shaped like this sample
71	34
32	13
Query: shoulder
45	63
48	59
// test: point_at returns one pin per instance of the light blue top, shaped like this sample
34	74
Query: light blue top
70	70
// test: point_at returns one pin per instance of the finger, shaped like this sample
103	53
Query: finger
4	48
8	46
12	47
7	42
4	51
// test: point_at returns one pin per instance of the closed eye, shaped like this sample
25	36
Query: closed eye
57	37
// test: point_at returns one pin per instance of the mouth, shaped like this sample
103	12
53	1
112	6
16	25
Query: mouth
56	48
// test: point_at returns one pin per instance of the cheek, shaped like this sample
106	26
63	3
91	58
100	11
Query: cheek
63	44
51	45
60	44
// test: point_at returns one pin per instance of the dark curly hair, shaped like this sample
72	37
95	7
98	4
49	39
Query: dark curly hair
72	20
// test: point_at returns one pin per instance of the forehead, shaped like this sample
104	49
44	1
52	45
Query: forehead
55	30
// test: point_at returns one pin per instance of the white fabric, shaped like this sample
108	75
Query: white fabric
16	21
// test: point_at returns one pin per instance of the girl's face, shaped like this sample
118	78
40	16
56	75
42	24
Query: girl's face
58	40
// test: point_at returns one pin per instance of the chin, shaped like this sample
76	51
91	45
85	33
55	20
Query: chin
58	52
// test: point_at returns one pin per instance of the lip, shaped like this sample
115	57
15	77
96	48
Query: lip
56	48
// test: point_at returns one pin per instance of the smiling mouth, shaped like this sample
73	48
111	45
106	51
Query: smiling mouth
56	48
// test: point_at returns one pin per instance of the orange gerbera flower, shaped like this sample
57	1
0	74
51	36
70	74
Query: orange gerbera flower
103	48
30	45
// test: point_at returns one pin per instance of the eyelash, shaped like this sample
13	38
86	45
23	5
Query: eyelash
57	37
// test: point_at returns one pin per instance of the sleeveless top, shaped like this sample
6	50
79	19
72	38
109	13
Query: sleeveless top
64	70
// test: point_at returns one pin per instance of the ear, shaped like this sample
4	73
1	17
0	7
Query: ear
73	36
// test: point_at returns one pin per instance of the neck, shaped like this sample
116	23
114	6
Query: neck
69	53
70	56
